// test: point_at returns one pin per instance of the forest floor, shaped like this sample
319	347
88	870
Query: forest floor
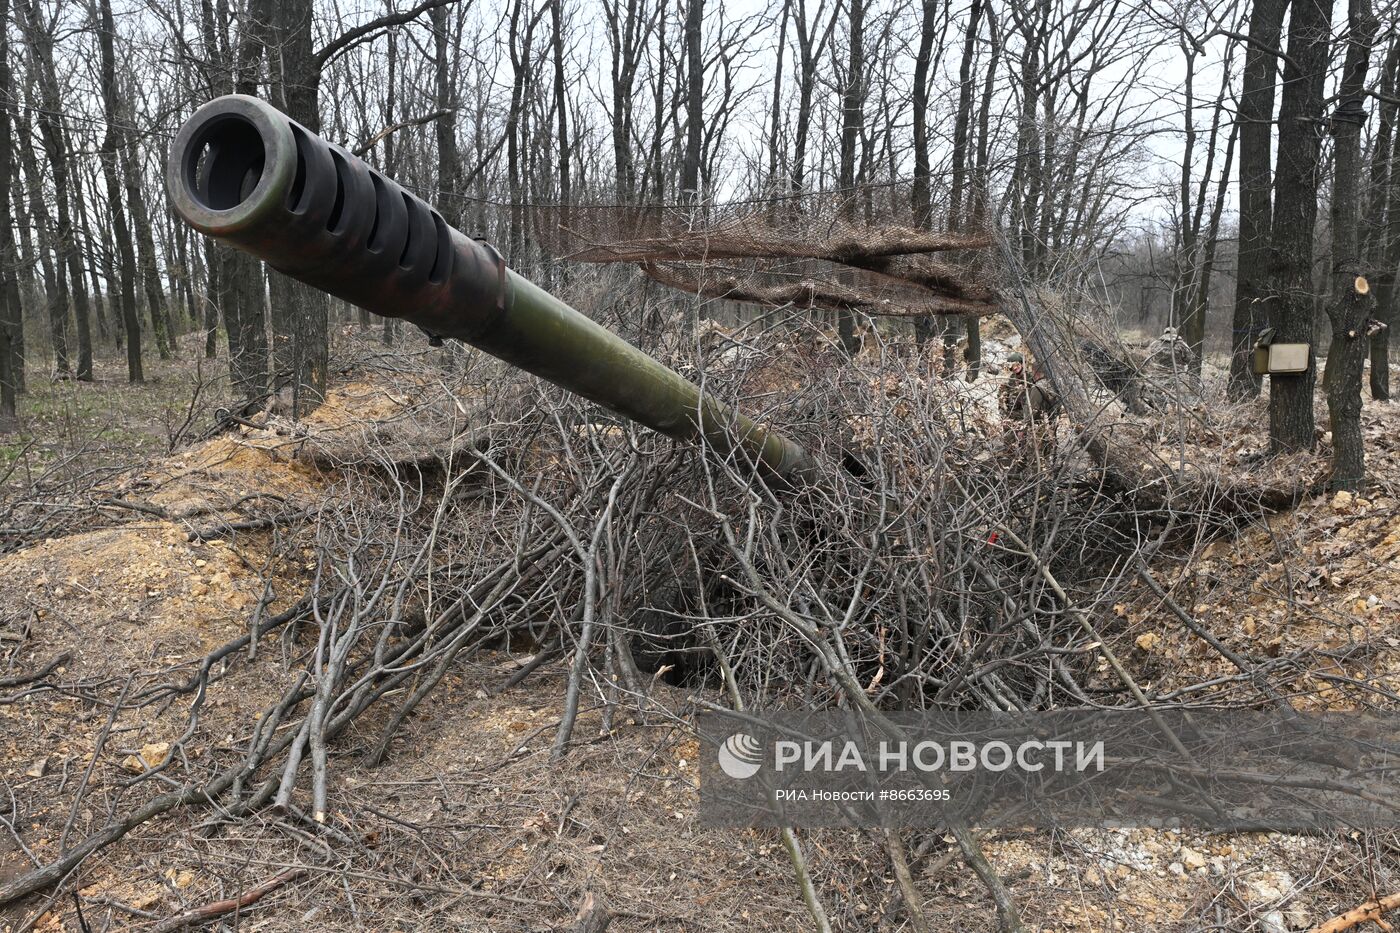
109	419
467	825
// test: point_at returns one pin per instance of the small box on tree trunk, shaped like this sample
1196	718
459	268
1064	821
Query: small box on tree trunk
1272	358
1288	358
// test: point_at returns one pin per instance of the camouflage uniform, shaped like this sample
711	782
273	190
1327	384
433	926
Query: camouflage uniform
1028	401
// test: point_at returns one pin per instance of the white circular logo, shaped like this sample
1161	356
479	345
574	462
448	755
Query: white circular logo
741	756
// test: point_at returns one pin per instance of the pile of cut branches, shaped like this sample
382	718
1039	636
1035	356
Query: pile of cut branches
957	562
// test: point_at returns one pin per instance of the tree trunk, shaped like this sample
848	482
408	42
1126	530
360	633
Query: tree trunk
1383	216
213	288
1201	302
390	329
959	197
180	274
981	177
108	154
1024	191
920	194
24	270
809	50
146	264
775	110
1291	421
220	292
449	164
10	307
1255	120
520	41
244	301
561	103
695	99
300	314
182	271
1346	359
109	267
54	136
852	122
55	287
1192	326
962	123
1204	235
99	305
626	36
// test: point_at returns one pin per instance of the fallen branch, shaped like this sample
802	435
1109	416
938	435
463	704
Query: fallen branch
1369	912
1115	440
217	909
222	528
900	862
19	680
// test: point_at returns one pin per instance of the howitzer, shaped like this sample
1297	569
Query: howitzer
243	172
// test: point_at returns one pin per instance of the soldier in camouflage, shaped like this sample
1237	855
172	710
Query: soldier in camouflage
1028	402
1026	396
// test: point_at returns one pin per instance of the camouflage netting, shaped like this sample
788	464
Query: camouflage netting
859	252
865	253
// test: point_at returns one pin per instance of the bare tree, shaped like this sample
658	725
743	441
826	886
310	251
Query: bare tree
449	167
694	98
1382	219
962	192
812	38
11	311
54	135
147	261
561	105
26	279
55	286
1290	281
1351	301
1197	237
775	110
920	192
629	24
244	301
125	294
853	90
1033	24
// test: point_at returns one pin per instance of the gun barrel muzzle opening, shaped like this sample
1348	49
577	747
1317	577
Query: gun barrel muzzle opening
232	158
244	173
223	166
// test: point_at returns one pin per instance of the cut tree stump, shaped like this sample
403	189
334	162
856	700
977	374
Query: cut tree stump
593	915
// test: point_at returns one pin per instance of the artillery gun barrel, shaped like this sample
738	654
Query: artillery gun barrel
243	172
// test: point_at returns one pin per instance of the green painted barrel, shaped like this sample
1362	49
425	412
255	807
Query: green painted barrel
243	172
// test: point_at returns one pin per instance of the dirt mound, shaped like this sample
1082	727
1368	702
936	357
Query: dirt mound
272	471
1315	591
1313	594
220	474
372	423
118	598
